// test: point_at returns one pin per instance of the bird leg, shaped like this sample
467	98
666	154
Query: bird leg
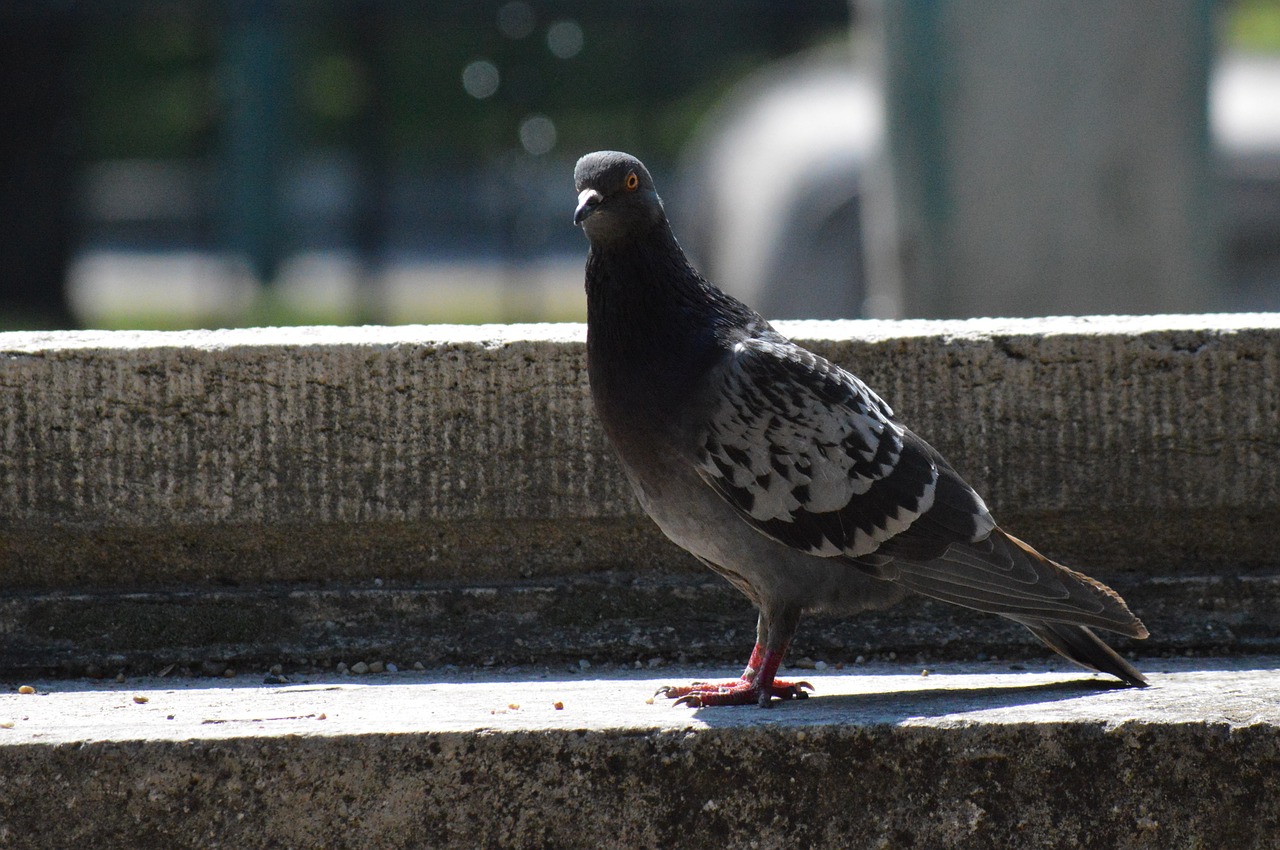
757	684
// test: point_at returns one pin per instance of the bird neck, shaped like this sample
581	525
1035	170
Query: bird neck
647	328
655	327
638	279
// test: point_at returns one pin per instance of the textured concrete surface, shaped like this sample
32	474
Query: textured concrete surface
137	459
607	619
308	496
964	757
443	493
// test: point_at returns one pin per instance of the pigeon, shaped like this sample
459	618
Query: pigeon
784	473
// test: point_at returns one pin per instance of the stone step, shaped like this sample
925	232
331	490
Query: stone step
616	619
969	756
444	495
246	457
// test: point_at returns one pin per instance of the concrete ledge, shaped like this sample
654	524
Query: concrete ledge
604	618
965	758
135	459
305	496
444	493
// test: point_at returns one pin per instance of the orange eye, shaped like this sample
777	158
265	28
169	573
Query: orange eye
632	182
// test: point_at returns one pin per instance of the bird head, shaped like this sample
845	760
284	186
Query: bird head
616	196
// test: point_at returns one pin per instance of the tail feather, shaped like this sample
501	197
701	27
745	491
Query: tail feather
1081	645
1002	575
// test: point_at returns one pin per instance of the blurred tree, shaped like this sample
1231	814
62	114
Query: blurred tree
391	127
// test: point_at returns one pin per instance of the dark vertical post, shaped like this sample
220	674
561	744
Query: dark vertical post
369	27
39	159
256	90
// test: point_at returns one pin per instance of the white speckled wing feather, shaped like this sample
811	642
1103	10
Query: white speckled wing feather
809	455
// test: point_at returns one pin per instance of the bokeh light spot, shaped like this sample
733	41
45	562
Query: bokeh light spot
538	134
481	79
516	19
564	39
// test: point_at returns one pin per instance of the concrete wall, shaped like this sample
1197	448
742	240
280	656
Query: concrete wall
181	504
135	459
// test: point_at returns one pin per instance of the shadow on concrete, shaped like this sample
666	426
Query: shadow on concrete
893	707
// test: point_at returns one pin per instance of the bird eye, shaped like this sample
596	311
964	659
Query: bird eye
632	182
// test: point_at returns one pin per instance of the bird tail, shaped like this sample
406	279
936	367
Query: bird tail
1002	575
1081	645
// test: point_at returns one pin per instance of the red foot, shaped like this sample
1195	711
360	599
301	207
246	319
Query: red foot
737	692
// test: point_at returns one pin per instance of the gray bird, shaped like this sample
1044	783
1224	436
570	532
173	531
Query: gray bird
784	473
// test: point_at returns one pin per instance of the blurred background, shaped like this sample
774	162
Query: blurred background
213	163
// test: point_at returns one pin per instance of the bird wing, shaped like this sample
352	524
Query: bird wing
810	456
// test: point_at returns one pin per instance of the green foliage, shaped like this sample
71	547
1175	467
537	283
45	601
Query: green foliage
1254	25
149	83
393	69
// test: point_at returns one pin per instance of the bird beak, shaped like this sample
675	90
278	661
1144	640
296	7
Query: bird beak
588	202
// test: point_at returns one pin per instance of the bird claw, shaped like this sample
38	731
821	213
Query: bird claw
741	692
680	691
796	690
